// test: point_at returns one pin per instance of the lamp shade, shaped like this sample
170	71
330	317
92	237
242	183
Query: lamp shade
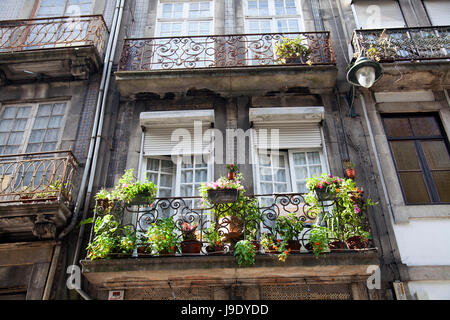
364	72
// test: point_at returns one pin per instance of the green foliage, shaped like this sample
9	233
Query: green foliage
212	235
289	227
128	240
318	238
232	168
188	231
103	194
244	252
106	238
161	236
292	48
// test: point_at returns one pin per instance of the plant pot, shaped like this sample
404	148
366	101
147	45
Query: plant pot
141	198
350	173
191	246
168	252
219	196
256	245
294	245
325	195
142	251
215	250
337	244
231	175
357	242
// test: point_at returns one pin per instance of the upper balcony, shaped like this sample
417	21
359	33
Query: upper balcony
225	64
411	57
60	47
35	194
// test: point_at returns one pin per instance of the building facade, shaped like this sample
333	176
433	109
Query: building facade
178	89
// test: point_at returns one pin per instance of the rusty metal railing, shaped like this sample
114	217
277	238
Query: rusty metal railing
219	51
400	44
37	177
58	32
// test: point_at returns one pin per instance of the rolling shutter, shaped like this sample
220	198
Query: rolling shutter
378	14
438	11
290	135
176	140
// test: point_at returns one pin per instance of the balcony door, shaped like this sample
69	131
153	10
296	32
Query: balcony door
46	33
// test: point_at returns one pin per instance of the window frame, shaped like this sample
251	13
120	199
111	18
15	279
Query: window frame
274	18
31	120
423	163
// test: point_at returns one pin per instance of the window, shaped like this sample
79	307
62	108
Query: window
266	16
438	11
377	14
31	128
421	155
59	8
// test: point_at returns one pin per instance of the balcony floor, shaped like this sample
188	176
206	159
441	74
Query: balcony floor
228	82
181	270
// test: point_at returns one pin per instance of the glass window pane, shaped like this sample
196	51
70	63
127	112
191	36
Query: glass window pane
266	188
313	158
301	187
165	180
265	174
40	123
20	124
315	171
299	158
165	193
44	110
280	187
23	112
10	149
9	113
15	138
153	177
397	127
51	135
167	166
3	138
414	187
153	164
405	155
186	176
32	147
186	190
55	122
436	154
59	108
280	175
201	175
37	136
6	125
301	173
48	147
426	126
442	183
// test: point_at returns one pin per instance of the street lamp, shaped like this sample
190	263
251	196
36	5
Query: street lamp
364	72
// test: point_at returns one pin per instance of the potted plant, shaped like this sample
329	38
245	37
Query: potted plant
318	238
190	244
244	252
221	191
358	240
162	238
102	198
214	240
128	241
349	169
135	192
270	243
232	171
289	228
293	51
324	186
106	240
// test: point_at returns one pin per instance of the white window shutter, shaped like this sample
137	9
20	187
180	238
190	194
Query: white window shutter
438	11
378	14
290	135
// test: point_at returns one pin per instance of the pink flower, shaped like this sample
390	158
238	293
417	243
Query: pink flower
320	186
125	185
356	210
330	176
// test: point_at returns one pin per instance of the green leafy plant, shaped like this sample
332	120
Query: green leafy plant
106	240
162	237
289	228
188	231
232	168
318	238
244	252
293	48
128	241
213	237
103	194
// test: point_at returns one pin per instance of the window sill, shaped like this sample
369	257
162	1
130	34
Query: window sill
402	213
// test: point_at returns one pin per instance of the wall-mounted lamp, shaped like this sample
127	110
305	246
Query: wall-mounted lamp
364	72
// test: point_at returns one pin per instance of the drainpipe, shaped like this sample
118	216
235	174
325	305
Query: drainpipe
91	161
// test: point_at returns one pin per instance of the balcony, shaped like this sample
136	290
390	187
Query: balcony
214	263
36	193
411	57
61	47
226	64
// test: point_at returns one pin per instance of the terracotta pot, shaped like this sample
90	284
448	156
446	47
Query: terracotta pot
215	250
191	246
357	242
294	245
231	175
142	250
337	244
350	172
257	245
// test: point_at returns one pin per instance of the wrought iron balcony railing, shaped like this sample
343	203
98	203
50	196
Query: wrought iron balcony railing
232	222
37	177
219	51
421	43
58	32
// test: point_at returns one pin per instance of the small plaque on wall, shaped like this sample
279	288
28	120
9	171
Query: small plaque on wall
115	295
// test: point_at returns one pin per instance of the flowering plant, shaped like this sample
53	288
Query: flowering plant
232	168
161	236
324	182
293	48
244	252
318	238
221	184
188	231
213	236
